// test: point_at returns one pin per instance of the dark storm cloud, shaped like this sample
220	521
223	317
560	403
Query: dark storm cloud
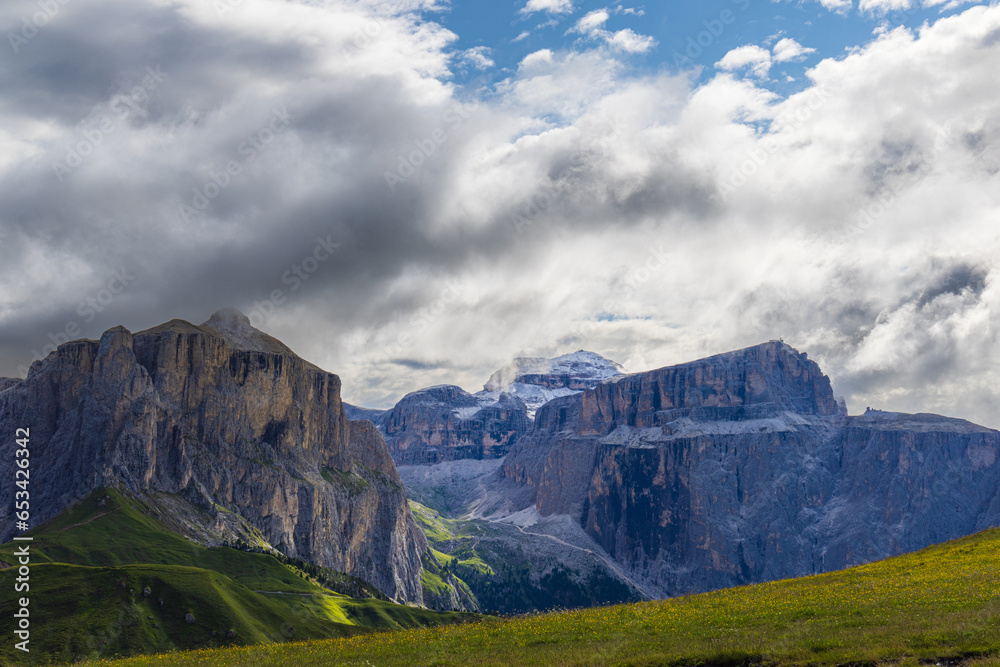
134	194
955	279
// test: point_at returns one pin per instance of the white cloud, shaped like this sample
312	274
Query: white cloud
788	49
627	40
478	57
591	22
842	6
883	5
549	6
631	42
948	4
524	34
537	57
756	58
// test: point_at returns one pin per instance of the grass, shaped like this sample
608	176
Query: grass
92	565
940	604
120	533
435	527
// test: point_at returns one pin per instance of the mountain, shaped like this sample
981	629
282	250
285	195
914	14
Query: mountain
741	468
446	442
225	435
536	381
447	423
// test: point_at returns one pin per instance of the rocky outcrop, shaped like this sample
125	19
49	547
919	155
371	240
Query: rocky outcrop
446	423
232	422
743	468
536	380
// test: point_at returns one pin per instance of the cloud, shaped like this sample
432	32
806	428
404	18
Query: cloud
578	205
788	49
478	57
548	6
630	41
756	58
947	4
537	57
841	6
883	5
592	24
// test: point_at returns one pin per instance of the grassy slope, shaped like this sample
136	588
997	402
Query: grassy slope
939	603
120	533
91	564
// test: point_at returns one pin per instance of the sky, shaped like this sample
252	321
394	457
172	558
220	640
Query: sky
414	192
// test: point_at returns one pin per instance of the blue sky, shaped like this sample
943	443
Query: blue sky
692	33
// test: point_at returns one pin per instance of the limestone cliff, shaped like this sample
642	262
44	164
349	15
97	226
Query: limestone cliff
445	423
742	468
252	438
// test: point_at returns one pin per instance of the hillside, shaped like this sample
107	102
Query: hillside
939	605
108	580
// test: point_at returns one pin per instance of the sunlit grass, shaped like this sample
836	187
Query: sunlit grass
939	603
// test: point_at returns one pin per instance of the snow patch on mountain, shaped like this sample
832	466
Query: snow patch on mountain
579	365
536	380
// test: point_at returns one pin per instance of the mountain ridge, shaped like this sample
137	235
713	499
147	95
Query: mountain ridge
245	430
743	467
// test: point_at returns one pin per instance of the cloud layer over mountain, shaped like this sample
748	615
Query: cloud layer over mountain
313	164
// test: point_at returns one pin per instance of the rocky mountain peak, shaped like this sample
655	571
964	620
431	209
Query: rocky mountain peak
758	381
580	367
232	319
537	380
232	422
236	329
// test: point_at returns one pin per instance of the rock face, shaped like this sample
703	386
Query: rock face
446	423
537	381
228	419
742	468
